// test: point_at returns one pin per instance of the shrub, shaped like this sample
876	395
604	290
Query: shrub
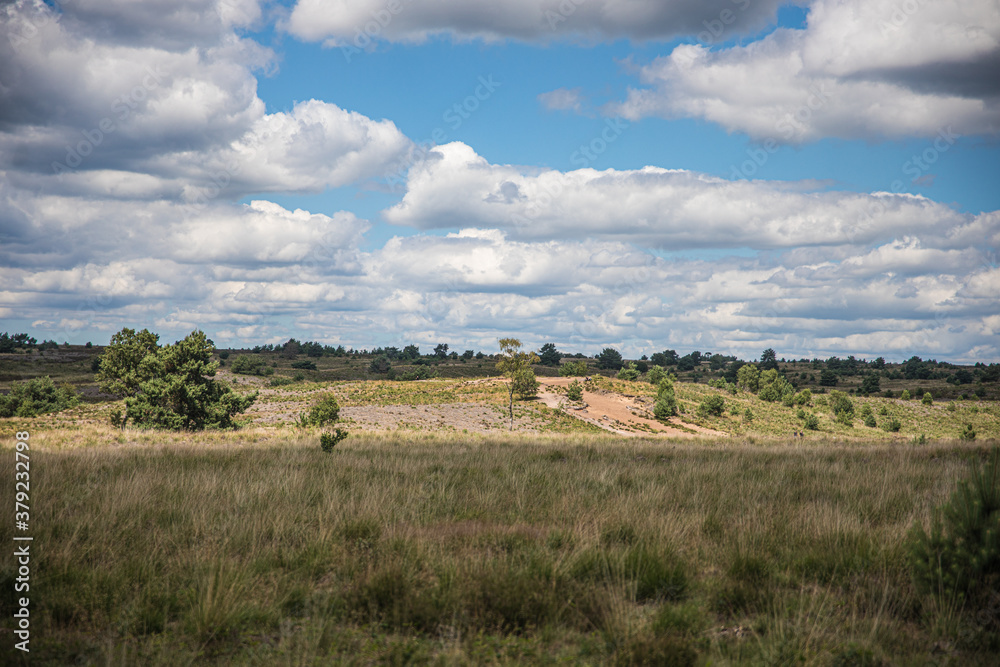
800	413
655	374
180	390
905	396
869	385
952	407
842	407
280	381
525	384
968	433
771	386
245	364
927	399
867	416
327	441
224	354
37	396
893	425
812	422
788	398
121	368
169	387
748	377
324	411
748	415
960	557
574	391
804	397
380	364
629	372
418	373
712	405
573	369
304	365
299	377
666	400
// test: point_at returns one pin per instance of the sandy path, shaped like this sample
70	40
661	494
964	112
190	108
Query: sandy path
617	413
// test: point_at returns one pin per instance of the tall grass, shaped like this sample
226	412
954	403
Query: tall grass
421	548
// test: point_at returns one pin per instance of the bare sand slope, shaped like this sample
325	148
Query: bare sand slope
617	413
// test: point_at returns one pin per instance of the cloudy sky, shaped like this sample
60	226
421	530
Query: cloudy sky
819	177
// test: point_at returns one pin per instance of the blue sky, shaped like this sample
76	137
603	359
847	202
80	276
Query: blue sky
817	177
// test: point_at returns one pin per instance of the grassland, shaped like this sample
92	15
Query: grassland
254	547
257	548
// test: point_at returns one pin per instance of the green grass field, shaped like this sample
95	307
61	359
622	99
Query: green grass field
258	548
570	546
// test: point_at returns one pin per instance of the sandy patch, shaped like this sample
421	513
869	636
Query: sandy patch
624	415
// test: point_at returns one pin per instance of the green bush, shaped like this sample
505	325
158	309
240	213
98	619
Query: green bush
748	415
893	425
842	407
573	369
380	364
960	556
666	401
525	384
418	373
905	396
178	389
812	422
280	381
574	391
927	399
771	386
324	411
968	433
867	416
712	405
804	397
655	374
37	396
788	398
629	372
245	364
748	377
304	365
327	441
